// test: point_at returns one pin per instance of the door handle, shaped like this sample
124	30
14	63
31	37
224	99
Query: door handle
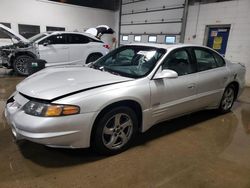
191	86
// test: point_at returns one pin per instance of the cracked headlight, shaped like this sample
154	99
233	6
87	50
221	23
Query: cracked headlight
49	110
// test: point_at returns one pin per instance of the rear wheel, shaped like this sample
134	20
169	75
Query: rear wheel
93	58
20	64
228	98
115	131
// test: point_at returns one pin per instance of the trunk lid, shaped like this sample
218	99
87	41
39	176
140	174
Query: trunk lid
100	30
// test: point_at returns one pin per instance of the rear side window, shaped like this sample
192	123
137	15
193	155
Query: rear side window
205	60
219	60
77	39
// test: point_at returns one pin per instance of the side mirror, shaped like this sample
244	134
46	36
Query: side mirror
166	73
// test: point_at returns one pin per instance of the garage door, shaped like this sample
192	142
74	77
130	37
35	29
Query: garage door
157	21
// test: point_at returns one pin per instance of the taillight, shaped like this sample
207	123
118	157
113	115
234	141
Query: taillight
106	46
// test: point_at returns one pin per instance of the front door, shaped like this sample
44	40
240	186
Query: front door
78	48
173	97
217	38
54	50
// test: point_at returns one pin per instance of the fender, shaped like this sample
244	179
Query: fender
15	54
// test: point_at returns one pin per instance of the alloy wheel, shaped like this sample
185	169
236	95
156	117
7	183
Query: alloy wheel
228	99
21	64
117	131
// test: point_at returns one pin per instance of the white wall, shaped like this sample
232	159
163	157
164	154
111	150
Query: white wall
44	13
236	13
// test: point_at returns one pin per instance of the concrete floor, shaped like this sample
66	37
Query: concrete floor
200	150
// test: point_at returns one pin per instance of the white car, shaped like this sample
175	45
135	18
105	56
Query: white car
128	90
56	48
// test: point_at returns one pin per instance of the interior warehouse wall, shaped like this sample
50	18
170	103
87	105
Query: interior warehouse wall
44	13
236	13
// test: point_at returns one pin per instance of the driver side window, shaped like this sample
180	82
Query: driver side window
55	39
179	62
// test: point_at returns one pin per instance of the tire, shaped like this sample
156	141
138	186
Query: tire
227	99
20	64
115	131
93	58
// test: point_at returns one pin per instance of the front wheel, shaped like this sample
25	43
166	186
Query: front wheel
20	65
115	131
227	100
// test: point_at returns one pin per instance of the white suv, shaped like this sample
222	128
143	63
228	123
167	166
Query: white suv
56	48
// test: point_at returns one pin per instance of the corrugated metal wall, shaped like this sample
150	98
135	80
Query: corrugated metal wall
151	19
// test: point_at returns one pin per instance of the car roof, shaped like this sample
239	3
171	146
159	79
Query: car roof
170	47
165	46
71	32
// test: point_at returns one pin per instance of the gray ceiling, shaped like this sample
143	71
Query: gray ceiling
103	4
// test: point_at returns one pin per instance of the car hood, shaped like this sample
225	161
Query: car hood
12	34
55	82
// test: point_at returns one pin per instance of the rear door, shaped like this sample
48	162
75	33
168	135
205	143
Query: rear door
173	97
54	49
79	46
212	76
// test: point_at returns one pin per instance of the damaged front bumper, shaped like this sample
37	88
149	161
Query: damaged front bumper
7	53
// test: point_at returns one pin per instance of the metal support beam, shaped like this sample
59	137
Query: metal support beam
149	23
135	1
184	22
120	18
155	10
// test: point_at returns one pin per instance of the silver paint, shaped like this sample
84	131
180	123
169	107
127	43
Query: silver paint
159	99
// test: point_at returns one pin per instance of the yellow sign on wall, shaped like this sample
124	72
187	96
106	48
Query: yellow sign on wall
217	43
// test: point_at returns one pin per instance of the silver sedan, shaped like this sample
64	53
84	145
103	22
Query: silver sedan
131	89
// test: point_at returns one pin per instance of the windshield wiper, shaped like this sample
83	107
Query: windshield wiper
102	68
93	66
110	71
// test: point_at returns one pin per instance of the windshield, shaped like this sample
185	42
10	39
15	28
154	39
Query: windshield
130	61
37	37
